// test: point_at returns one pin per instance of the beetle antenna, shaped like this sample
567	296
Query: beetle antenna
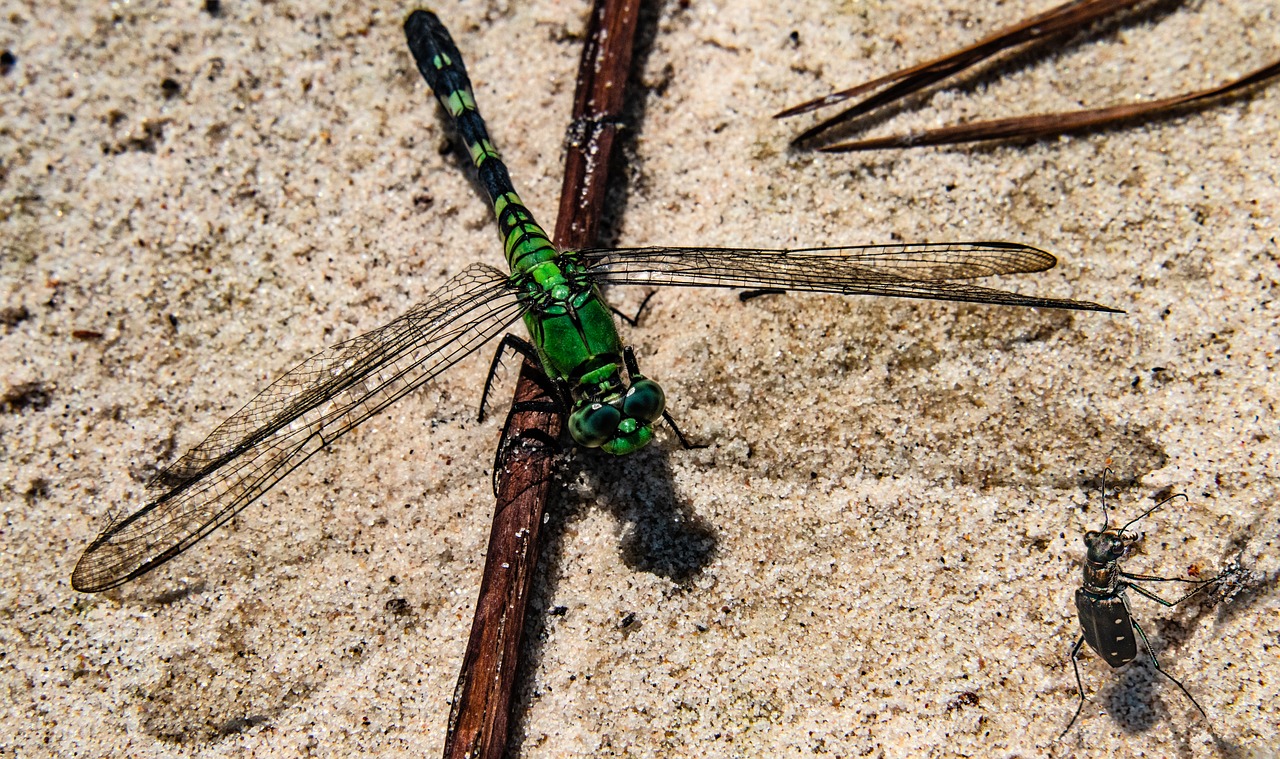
1105	519
1183	496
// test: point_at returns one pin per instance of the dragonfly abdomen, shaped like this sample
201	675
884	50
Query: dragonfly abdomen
525	242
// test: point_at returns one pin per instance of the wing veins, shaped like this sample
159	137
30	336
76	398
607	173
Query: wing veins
318	401
925	270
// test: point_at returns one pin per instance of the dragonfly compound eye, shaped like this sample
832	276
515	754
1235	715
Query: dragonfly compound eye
644	401
592	426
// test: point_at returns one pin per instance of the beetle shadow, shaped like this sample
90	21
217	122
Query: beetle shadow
1246	586
1136	703
1138	697
1134	699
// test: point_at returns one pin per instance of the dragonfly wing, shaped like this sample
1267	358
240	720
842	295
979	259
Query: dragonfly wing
932	271
319	400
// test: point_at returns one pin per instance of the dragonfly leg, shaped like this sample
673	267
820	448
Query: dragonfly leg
528	439
532	441
629	360
684	442
512	343
1172	679
747	295
635	320
1075	665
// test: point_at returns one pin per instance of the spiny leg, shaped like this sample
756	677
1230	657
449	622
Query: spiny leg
684	442
522	347
529	438
1075	665
629	360
1151	653
1155	578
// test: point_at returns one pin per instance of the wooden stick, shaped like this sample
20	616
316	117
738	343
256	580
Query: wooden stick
1066	17
479	719
1047	124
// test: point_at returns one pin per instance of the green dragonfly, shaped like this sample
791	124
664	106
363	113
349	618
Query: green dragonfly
610	404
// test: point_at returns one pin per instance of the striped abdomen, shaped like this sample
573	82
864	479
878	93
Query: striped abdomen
438	59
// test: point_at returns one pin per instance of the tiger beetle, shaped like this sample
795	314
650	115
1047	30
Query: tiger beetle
1108	626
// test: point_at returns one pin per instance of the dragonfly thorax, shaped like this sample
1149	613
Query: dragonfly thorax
578	345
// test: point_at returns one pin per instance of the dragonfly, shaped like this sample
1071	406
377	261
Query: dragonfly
610	404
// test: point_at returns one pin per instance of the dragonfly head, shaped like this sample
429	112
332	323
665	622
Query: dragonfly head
622	422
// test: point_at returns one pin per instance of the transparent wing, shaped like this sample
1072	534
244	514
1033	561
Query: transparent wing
922	270
319	400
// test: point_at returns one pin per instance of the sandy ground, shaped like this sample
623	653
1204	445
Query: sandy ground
877	554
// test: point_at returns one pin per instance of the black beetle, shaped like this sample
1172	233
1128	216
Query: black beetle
1103	608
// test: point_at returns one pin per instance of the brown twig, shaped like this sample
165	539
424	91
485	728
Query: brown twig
1047	124
597	111
526	460
1066	17
482	698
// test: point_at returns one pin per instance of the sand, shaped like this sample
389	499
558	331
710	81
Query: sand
876	556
